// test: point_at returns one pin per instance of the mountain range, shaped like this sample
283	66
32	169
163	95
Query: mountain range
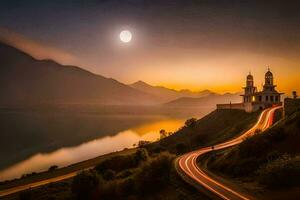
166	94
25	80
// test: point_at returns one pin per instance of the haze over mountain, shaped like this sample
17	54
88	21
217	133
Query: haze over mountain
170	97
25	80
166	94
207	101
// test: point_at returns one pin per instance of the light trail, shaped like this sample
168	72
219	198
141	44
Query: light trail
189	169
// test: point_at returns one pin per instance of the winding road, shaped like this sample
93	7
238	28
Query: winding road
193	174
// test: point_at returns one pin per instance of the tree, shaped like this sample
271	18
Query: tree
191	123
143	143
163	133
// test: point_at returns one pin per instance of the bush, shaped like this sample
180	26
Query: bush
109	174
155	174
141	155
254	146
26	195
277	135
84	184
143	143
52	168
125	174
181	148
156	148
283	172
191	123
118	163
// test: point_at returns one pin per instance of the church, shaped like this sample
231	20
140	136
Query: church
254	100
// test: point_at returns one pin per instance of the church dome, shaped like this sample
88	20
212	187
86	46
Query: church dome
250	77
269	73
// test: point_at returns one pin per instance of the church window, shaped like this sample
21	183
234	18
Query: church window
259	98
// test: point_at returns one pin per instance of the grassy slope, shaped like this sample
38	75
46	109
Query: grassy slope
213	128
216	127
267	164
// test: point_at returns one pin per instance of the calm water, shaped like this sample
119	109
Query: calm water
32	141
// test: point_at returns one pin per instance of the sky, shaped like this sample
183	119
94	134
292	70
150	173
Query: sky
180	44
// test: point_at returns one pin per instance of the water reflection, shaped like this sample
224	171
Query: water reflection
65	156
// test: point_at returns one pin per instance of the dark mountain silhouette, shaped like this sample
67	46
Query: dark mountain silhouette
207	101
25	80
166	94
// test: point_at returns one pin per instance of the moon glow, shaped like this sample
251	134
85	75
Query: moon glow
125	36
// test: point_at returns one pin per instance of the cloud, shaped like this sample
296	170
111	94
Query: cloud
35	49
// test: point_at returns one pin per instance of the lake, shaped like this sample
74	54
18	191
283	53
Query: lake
34	139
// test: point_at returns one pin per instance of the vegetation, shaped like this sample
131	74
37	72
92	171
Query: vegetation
218	126
272	156
53	167
84	184
282	172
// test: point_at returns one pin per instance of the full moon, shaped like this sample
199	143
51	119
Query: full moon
125	36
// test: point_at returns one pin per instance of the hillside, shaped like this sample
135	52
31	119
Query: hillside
166	94
268	162
25	80
206	101
215	127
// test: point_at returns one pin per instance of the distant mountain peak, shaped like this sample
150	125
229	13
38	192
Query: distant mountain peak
141	83
167	94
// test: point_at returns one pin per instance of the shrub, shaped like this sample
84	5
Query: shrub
141	155
125	174
52	168
117	189
277	135
155	174
156	148
117	163
283	172
181	148
84	184
254	146
143	143
109	174
191	123
26	195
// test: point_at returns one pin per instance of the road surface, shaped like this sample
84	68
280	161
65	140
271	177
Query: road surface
192	173
36	184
